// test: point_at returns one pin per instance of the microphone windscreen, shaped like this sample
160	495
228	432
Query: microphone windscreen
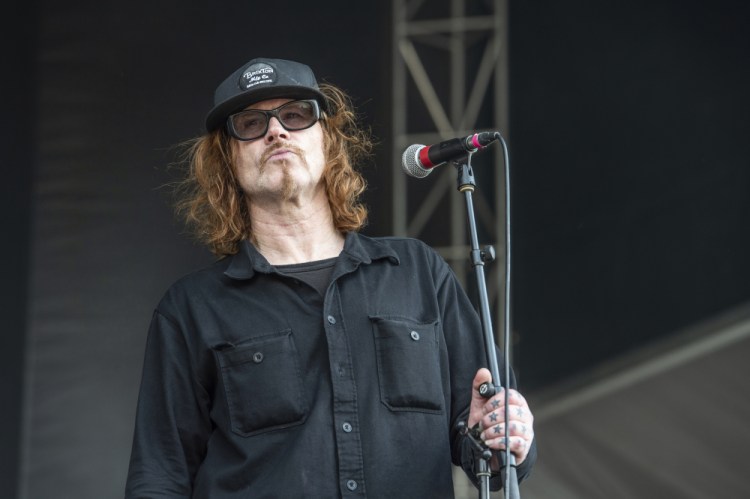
410	162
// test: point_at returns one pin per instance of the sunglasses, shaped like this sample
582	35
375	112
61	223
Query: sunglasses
253	123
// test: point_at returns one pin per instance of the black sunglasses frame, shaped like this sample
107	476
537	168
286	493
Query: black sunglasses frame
273	113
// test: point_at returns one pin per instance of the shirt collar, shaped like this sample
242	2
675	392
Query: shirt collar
358	249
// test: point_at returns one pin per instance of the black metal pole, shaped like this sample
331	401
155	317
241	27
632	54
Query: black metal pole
466	185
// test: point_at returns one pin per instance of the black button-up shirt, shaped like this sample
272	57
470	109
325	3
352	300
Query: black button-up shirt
255	385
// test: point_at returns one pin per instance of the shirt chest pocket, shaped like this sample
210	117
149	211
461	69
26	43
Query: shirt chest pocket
263	383
408	364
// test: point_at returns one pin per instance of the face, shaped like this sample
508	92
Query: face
281	165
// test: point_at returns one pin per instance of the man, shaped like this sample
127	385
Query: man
310	361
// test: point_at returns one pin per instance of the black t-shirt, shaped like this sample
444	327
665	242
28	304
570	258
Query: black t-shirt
317	274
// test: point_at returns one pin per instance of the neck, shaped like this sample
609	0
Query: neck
295	234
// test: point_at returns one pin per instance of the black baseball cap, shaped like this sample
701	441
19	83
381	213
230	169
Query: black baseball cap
262	79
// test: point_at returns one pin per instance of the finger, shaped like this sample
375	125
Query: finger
516	443
498	400
520	413
518	410
519	446
494	431
476	410
516	415
516	398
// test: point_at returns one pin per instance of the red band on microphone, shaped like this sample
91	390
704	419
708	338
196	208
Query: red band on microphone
424	159
475	141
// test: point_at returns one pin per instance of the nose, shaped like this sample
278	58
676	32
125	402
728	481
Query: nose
275	130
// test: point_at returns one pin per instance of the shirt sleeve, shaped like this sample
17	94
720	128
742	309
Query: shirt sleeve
172	421
465	338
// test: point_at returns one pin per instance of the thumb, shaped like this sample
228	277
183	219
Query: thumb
483	375
476	411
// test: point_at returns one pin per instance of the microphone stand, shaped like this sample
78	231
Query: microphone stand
466	185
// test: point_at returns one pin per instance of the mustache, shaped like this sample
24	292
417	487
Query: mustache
280	145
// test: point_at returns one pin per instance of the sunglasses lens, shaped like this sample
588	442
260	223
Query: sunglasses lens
249	124
298	115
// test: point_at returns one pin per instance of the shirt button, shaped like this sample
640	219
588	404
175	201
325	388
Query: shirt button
415	336
351	484
347	427
331	319
258	357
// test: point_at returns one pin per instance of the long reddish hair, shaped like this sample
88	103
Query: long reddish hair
214	206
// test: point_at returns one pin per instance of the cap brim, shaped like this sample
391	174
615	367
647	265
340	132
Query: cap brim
219	114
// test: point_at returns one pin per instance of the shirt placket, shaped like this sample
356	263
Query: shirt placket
345	418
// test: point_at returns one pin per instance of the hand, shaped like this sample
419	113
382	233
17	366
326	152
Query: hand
490	414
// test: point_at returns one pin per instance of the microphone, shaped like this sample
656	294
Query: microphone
419	160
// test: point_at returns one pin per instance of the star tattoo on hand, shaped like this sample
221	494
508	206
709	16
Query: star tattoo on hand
495	404
493	417
496	428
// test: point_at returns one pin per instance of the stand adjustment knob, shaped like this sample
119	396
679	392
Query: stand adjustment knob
488	254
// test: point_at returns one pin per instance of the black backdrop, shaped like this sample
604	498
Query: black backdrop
632	174
628	138
15	199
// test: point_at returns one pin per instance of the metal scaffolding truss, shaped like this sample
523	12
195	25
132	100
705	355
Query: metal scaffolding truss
450	80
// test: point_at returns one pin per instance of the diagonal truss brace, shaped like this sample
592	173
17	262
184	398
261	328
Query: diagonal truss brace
457	37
